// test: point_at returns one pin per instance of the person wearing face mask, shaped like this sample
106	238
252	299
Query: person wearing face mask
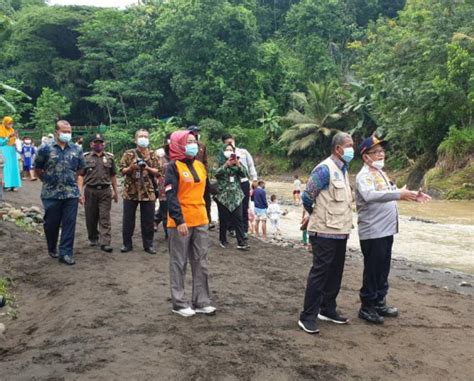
28	152
58	165
328	200
376	201
11	173
96	195
185	184
161	215
140	167
229	197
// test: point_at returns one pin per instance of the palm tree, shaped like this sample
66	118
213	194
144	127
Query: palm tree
314	113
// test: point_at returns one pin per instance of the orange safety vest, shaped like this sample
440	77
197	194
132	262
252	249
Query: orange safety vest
191	195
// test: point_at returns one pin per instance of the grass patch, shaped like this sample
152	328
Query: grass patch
5	291
451	185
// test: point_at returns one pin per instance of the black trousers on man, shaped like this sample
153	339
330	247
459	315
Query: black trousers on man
377	258
162	216
147	214
325	276
245	186
235	218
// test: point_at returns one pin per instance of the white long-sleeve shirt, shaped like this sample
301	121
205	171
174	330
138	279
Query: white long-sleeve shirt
247	161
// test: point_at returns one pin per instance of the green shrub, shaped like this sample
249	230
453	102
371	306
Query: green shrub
457	148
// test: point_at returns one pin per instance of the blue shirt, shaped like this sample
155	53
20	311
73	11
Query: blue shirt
260	198
60	168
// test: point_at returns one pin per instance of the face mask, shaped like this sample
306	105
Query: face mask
27	143
191	149
98	147
143	142
227	154
348	154
65	137
379	164
160	152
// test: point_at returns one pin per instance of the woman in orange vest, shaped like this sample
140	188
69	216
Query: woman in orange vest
185	183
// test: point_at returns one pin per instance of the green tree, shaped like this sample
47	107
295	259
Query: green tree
50	107
312	118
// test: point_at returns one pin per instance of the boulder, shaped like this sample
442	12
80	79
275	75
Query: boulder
16	213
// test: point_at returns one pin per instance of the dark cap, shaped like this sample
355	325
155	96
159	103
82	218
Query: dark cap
97	137
369	143
194	129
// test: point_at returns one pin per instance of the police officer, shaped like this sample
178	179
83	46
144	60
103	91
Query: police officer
376	201
96	194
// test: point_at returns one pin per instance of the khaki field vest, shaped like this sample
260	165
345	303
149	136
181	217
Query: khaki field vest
332	212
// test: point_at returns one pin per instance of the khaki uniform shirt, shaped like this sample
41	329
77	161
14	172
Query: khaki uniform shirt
137	186
99	168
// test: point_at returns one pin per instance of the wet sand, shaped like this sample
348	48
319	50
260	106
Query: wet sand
109	317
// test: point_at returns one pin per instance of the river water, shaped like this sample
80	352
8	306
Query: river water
448	242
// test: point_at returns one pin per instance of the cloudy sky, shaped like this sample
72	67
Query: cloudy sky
97	3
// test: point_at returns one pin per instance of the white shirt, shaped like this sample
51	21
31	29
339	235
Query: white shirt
297	185
247	161
274	211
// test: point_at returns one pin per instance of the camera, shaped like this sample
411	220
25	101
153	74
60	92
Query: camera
141	163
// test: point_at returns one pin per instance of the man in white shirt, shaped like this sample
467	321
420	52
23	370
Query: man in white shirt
245	158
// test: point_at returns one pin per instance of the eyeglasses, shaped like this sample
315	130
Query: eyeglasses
376	152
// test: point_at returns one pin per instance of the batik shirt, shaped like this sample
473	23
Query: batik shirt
138	186
228	183
60	167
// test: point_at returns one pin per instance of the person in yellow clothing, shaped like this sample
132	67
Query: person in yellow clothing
185	183
11	170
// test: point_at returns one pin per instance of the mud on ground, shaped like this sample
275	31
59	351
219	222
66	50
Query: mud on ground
109	317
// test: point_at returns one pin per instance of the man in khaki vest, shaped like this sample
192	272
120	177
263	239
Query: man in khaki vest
328	200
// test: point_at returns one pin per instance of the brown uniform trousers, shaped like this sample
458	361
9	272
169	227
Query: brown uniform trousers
98	195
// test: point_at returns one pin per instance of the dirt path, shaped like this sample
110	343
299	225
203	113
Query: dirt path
109	317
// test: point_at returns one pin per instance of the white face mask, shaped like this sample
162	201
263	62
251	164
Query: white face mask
143	142
160	152
227	154
378	164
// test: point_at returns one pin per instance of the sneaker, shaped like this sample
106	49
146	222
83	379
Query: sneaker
209	310
386	311
232	233
243	247
370	314
212	226
186	312
308	326
93	243
223	245
333	317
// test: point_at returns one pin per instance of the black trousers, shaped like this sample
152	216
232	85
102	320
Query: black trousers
234	217
162	216
245	205
377	258
147	213
325	276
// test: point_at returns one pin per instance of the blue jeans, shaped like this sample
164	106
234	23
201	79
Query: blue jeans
60	214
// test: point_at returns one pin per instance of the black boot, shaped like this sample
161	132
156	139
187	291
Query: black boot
384	310
369	314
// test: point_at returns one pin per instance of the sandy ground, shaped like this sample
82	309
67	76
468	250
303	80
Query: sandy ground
109	317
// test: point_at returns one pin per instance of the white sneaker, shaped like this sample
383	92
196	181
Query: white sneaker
186	312
206	310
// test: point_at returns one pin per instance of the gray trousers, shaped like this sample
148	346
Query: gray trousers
194	246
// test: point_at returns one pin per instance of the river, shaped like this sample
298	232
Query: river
448	242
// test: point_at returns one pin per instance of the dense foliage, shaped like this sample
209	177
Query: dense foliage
281	74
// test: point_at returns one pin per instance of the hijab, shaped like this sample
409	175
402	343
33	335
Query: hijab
221	157
178	142
6	131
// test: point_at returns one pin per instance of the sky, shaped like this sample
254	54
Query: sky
97	3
